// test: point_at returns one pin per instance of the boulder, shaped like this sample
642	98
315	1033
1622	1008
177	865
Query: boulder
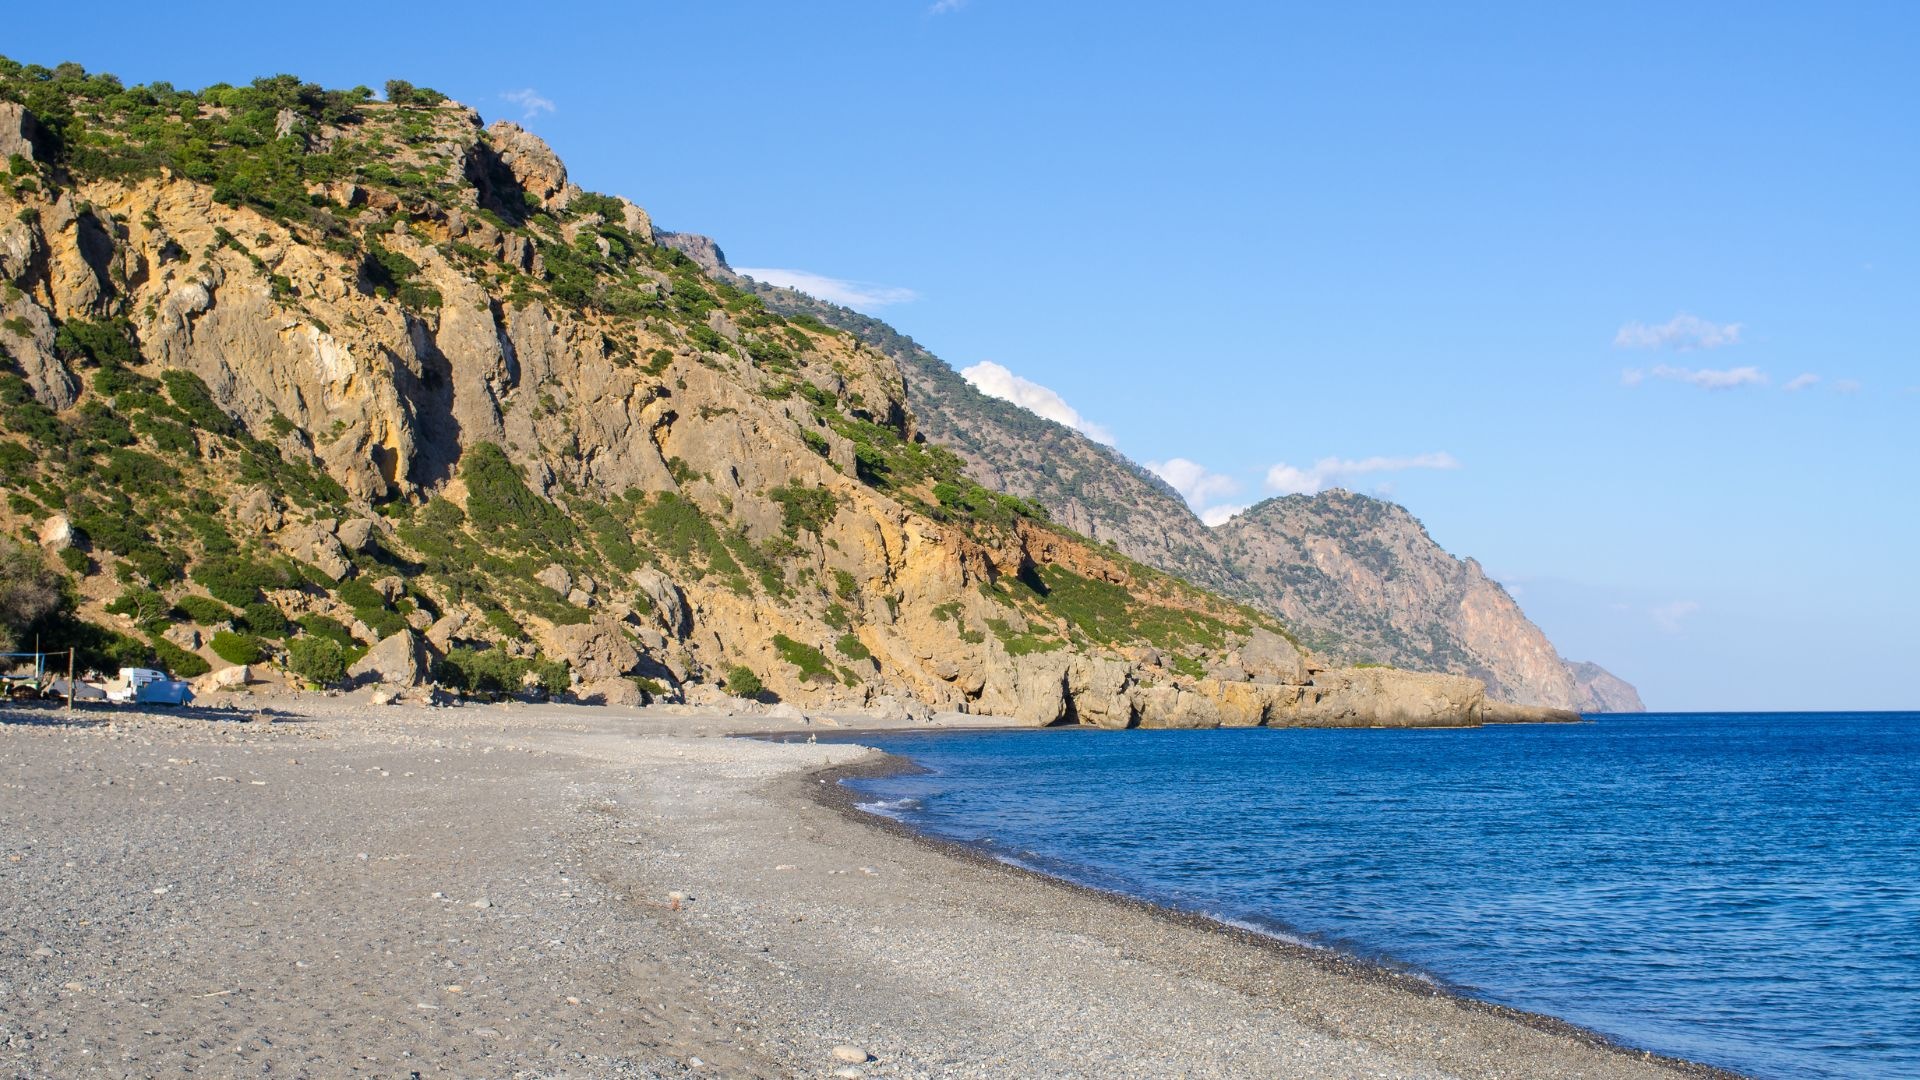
356	534
580	598
315	544
440	634
611	692
56	533
256	510
184	636
555	577
399	660
228	678
596	651
390	588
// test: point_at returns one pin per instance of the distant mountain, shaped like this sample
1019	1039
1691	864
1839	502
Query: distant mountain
1358	579
1602	691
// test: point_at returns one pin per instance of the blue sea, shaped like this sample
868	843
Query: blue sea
1737	889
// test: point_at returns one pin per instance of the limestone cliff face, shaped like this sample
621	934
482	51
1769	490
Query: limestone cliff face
386	371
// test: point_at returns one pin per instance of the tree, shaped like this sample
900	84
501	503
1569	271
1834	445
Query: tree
29	591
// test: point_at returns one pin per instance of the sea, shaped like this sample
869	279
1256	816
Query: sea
1738	889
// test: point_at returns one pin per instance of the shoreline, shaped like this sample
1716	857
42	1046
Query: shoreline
322	886
837	797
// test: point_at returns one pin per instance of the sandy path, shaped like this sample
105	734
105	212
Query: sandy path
487	892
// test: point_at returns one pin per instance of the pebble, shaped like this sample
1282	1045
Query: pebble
848	1073
481	903
843	1052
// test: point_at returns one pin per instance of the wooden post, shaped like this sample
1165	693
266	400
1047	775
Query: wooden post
70	686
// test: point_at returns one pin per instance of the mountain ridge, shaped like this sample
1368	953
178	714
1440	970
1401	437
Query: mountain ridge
353	389
1101	493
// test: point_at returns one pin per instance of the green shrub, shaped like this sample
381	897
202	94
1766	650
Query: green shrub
239	580
742	682
331	629
811	661
317	659
75	560
196	401
804	509
851	647
177	661
238	648
147	608
264	620
204	610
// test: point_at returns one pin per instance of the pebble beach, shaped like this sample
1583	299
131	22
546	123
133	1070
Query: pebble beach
317	886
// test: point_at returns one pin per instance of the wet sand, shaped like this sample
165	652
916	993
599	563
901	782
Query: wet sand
319	887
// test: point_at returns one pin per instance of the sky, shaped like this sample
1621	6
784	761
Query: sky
1618	299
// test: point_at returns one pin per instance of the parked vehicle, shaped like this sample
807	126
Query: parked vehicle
145	686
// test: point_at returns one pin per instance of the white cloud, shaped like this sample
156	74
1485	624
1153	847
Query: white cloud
943	7
1683	332
1668	617
1201	487
858	295
1329	471
1704	378
532	103
1800	382
1847	386
994	380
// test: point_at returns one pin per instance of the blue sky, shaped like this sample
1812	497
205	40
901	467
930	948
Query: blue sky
1555	278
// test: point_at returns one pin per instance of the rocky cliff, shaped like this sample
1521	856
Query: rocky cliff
1359	579
363	389
1599	690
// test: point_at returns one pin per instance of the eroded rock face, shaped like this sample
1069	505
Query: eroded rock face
533	163
19	132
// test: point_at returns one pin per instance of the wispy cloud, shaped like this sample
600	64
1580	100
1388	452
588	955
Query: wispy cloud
532	103
1704	378
1800	382
858	295
1847	386
994	380
1328	472
945	7
1669	617
1683	332
1201	487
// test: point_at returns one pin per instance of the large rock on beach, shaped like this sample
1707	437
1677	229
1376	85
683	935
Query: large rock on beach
399	660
